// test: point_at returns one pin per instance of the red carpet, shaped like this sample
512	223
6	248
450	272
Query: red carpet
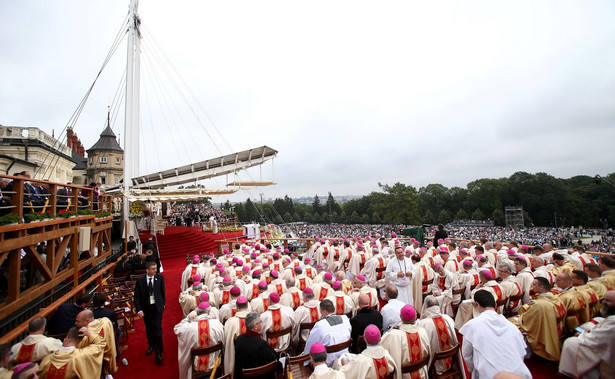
180	240
140	365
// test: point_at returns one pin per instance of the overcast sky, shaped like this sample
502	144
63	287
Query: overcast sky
350	93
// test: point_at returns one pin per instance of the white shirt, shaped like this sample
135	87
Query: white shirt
391	314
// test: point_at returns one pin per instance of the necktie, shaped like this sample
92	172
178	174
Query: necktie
151	285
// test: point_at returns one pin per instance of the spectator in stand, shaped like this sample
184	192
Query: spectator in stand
64	317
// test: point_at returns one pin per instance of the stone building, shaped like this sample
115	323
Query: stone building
105	163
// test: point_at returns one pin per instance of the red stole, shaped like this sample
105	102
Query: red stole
225	297
339	305
323	293
276	318
561	311
442	283
414	347
233	311
203	360
498	292
279	289
265	304
424	269
302	284
296	299
381	265
242	325
381	366
325	252
57	372
493	272
313	314
192	272
514	304
255	291
268	280
476	279
308	272
369	294
25	353
443	337
102	332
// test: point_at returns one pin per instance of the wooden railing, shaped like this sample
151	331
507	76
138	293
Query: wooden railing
96	278
31	271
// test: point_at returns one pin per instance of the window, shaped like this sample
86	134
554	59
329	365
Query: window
103	160
102	180
117	180
117	160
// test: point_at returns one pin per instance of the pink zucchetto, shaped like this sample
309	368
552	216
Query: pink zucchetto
203	305
308	290
463	251
253	255
443	249
235	291
467	262
487	274
286	251
276	256
196	278
372	334
266	264
274	297
239	262
317	348
307	260
226	280
256	272
361	278
393	235
219	265
195	260
257	261
511	252
242	300
522	258
320	267
408	313
227	252
246	268
440	240
235	259
204	296
328	276
262	284
437	264
336	285
275	274
298	270
213	261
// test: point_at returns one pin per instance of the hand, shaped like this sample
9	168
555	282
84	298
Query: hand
344	361
408	273
192	317
400	274
85	332
436	293
140	313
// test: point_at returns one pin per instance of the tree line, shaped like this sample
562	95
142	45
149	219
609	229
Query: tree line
546	201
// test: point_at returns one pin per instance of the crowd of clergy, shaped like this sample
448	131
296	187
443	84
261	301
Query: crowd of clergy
87	350
398	303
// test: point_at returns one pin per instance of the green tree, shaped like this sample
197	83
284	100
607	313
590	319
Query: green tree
331	206
477	215
397	204
354	218
461	215
317	218
376	219
429	218
364	219
498	217
444	217
316	206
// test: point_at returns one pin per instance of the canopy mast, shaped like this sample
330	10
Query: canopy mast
131	131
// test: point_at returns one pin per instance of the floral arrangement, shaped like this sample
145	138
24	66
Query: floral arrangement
103	214
65	213
137	209
9	219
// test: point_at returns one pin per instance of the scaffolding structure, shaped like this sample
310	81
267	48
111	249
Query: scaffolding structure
514	216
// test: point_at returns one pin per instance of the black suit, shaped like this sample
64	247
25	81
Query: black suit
252	351
152	313
364	317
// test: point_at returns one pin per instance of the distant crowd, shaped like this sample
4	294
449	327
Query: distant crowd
196	215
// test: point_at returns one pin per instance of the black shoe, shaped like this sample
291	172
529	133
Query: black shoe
149	350
158	358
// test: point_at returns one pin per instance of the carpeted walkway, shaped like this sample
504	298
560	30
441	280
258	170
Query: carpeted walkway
140	365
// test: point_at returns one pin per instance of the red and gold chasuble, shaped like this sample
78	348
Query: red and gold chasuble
561	311
323	293
443	338
308	272
414	348
296	299
242	325
57	372
302	284
25	353
362	263
268	280
276	318
339	305
381	265
279	289
225	297
313	314
265	304
203	360
255	291
381	366
192	272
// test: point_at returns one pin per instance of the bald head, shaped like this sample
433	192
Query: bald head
563	280
84	318
364	301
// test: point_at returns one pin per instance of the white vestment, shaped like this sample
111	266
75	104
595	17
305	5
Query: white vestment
396	342
484	337
404	283
188	337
